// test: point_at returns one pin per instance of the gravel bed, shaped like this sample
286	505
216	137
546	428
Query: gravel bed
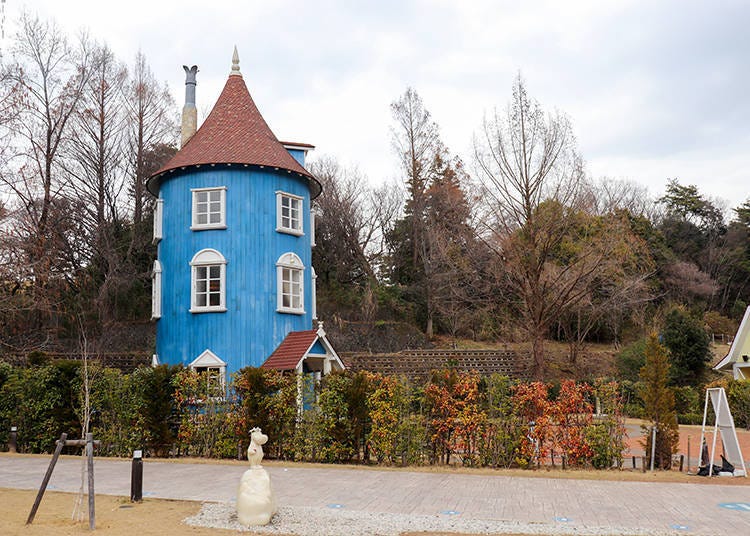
303	521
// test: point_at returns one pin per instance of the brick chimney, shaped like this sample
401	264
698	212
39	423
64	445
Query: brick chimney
189	111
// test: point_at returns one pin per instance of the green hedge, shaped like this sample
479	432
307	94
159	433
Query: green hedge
349	417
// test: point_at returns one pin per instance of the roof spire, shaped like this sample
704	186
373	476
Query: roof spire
235	63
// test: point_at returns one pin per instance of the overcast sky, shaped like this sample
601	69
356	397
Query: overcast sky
654	89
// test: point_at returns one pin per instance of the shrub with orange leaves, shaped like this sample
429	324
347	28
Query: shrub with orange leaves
456	417
531	405
572	414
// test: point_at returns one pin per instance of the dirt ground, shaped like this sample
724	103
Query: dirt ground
115	516
691	434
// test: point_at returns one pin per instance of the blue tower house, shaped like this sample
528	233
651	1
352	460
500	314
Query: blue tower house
233	283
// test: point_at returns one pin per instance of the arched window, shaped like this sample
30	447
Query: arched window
156	291
208	282
290	284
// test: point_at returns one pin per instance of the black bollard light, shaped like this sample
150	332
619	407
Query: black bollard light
136	477
13	440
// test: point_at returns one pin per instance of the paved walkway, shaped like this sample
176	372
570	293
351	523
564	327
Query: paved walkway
630	505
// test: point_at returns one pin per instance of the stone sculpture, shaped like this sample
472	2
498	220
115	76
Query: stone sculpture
256	504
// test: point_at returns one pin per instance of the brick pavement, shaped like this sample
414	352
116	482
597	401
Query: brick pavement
630	505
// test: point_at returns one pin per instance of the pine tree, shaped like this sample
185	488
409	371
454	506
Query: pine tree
658	401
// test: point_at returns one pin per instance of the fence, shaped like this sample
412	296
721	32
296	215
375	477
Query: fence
125	361
417	364
722	338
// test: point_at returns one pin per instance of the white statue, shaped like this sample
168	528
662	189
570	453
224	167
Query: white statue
256	504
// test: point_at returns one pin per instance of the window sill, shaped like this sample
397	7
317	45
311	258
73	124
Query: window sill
286	230
288	311
208	310
218	226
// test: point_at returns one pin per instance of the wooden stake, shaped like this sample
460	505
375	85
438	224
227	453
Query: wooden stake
47	476
90	456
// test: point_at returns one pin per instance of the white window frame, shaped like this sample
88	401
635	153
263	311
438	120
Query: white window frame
158	218
156	291
290	264
209	362
222	223
208	258
291	228
312	230
314	293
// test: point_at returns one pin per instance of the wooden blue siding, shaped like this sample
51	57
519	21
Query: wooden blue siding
318	348
250	329
298	155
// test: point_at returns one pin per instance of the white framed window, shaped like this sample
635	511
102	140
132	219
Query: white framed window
158	218
156	291
213	374
290	284
208	282
209	208
289	213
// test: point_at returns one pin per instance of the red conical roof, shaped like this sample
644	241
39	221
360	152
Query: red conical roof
234	133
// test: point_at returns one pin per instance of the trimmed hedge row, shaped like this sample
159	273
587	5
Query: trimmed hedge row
350	417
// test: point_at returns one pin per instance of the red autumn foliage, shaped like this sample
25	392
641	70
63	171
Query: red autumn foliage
456	416
554	427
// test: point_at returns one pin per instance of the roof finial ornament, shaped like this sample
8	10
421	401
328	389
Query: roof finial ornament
235	63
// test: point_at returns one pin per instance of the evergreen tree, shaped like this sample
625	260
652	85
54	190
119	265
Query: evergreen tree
688	346
659	405
435	213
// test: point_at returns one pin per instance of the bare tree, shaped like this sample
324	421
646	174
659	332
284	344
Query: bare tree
97	141
423	157
532	180
151	124
350	226
47	76
97	151
344	228
416	141
610	195
50	76
455	261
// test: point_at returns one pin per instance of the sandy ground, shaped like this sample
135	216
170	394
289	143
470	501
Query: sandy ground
115	516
